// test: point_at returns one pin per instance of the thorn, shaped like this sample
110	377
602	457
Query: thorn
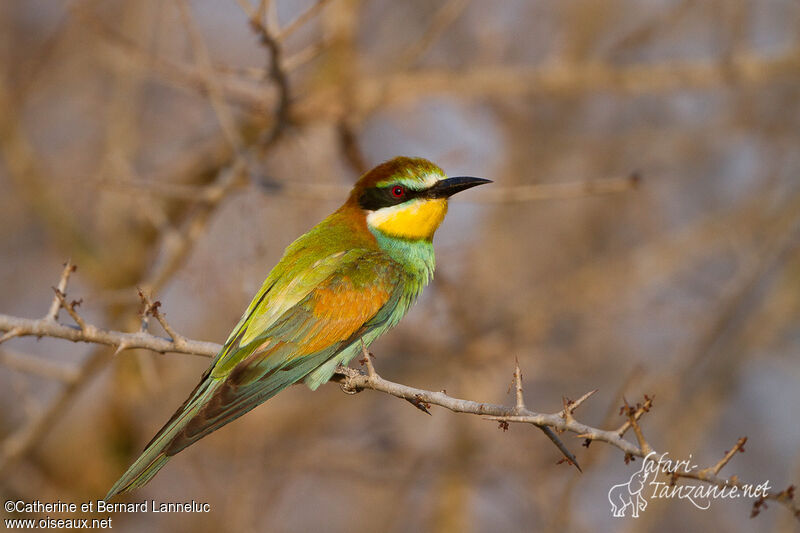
417	402
520	405
560	445
565	460
121	347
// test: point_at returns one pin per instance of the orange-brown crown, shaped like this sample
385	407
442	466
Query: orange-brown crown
409	170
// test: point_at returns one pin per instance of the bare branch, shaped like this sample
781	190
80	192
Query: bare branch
26	327
640	410
38	366
69	268
70	307
570	406
568	455
443	18
277	74
304	17
558	191
352	380
215	93
633	421
520	405
557	78
729	454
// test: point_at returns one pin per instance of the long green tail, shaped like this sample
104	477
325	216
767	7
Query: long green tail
155	454
212	404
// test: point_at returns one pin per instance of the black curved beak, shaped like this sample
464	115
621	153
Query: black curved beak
449	186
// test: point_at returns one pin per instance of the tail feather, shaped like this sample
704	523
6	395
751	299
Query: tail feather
214	403
155	454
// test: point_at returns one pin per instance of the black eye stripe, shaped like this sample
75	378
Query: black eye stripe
377	197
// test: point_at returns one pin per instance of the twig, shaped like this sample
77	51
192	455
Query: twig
304	17
558	78
300	58
520	408
520	399
353	381
570	406
38	366
26	327
727	457
69	268
177	250
559	191
50	327
151	308
215	94
70	307
443	18
278	76
633	421
325	191
639	411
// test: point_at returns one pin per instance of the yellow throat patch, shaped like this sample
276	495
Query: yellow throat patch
417	219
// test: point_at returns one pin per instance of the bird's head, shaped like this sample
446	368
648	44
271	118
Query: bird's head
407	197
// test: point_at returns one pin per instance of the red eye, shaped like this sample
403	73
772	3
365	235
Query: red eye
398	191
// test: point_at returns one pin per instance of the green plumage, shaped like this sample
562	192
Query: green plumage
341	283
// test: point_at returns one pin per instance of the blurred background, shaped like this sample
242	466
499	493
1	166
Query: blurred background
177	147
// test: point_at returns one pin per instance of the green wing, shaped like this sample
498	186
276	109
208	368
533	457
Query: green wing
361	297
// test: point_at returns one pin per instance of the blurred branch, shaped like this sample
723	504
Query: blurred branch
178	248
212	85
276	73
373	92
560	78
24	168
558	191
440	21
39	366
304	17
325	192
125	53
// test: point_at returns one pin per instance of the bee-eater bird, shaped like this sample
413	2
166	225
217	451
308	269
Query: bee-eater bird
346	281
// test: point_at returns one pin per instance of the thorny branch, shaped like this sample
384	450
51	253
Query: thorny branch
353	381
49	326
